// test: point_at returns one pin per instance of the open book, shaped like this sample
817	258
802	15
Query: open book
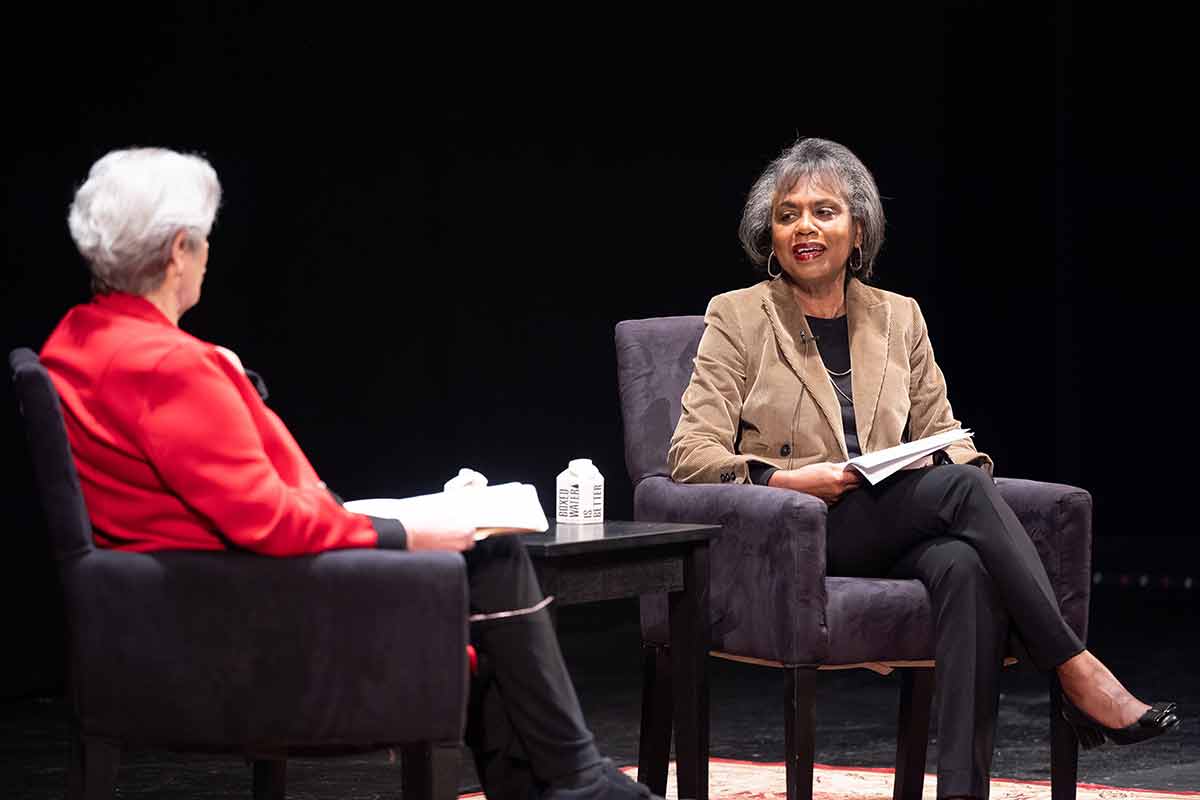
882	463
503	508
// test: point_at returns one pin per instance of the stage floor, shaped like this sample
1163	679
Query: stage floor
1150	638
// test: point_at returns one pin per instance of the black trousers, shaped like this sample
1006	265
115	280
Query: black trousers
524	725
948	527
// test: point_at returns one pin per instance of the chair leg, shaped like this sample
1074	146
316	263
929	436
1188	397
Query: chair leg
270	778
92	768
654	745
799	730
429	770
912	734
1064	749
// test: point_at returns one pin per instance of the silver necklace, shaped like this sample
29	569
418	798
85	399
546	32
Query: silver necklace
837	388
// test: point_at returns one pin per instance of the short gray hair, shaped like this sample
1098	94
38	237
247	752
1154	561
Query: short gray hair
828	161
129	210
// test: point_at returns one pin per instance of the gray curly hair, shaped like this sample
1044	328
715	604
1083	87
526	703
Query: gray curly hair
133	203
829	162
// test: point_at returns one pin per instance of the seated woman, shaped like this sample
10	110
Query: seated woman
176	450
799	373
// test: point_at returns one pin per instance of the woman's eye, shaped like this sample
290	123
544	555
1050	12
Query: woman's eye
826	211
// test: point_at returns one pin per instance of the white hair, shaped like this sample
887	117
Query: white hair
126	215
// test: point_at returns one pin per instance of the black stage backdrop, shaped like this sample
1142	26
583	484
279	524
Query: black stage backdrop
427	235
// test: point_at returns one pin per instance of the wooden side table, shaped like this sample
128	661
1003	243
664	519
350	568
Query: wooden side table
615	559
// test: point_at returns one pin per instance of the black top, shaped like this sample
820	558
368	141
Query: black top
833	344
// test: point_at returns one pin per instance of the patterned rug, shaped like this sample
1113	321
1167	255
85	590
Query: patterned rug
747	780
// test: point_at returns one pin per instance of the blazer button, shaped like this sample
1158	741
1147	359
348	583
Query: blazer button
785	451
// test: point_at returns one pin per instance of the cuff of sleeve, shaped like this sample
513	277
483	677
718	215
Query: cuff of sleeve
760	473
984	463
392	535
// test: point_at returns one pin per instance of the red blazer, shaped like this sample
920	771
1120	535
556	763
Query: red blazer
175	449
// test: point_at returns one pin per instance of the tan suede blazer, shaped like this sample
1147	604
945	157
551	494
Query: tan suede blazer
759	391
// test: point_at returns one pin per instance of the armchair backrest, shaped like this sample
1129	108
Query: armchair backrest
53	467
654	365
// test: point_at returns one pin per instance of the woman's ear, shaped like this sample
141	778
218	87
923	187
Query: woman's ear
179	245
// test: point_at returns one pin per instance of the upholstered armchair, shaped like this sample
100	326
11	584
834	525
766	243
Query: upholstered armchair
772	602
231	652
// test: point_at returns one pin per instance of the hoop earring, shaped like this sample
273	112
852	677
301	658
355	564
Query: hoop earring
769	273
850	261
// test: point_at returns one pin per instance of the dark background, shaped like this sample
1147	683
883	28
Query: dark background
428	232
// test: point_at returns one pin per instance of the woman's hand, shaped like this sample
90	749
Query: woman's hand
826	480
443	530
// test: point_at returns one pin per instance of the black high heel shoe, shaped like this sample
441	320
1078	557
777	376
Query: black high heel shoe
1159	719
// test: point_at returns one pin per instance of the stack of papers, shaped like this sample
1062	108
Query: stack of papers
504	508
883	463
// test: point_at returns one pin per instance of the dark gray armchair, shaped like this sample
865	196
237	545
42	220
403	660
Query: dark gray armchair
772	603
231	652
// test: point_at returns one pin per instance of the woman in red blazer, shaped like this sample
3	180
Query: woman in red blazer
176	450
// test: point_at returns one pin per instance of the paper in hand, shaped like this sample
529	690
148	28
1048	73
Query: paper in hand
504	508
884	463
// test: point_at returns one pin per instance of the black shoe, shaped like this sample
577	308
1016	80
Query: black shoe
1155	722
609	784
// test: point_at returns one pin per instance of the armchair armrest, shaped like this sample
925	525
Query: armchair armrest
1059	520
348	646
772	540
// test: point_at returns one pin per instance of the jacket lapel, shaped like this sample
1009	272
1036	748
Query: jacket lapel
791	331
869	318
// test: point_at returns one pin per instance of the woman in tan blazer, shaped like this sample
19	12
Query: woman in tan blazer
799	373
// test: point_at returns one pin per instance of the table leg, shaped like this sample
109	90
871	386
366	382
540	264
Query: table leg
689	666
654	741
